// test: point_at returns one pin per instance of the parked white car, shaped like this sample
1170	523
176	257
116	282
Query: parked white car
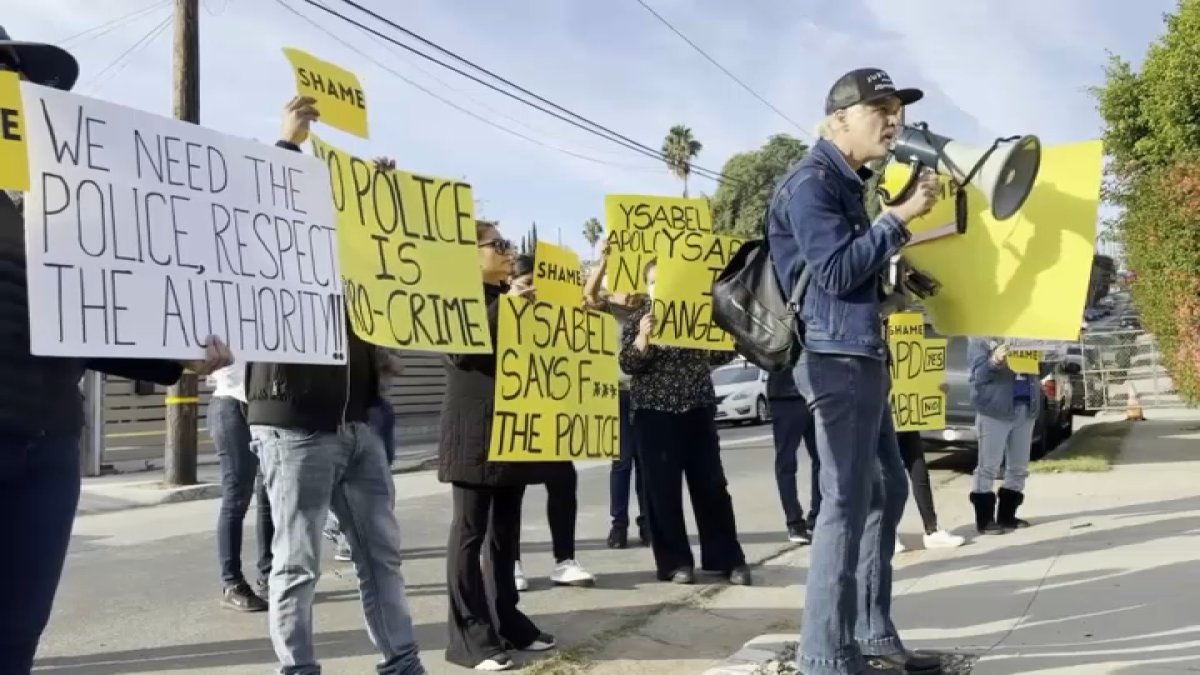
741	389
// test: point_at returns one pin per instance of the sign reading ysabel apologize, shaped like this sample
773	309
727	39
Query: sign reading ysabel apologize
918	367
556	384
683	282
144	235
339	95
409	256
640	227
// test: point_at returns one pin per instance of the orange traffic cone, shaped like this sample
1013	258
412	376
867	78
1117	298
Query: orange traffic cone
1133	408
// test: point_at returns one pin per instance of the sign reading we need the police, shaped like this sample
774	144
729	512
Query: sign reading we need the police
145	235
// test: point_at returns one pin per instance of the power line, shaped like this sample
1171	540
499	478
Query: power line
109	26
591	126
723	69
137	46
452	104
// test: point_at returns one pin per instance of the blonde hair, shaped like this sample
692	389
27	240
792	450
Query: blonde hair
824	129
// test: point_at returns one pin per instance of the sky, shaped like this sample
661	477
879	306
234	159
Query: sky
988	69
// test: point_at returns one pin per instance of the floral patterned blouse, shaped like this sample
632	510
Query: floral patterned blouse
668	379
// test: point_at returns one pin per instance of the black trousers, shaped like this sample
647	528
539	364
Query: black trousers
562	505
791	425
912	450
673	447
484	619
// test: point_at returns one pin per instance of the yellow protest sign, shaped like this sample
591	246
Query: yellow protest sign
14	158
1024	361
683	291
409	257
557	275
339	95
918	368
556	384
642	226
1022	277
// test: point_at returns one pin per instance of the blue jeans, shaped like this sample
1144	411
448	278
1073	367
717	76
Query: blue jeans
624	471
383	420
39	492
307	474
848	606
239	473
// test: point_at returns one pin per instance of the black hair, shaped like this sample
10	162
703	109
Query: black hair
523	265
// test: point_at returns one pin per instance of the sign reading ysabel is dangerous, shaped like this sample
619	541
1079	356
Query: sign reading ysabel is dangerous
556	384
144	235
409	256
684	276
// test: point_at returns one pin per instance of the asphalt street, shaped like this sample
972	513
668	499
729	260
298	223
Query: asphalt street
140	592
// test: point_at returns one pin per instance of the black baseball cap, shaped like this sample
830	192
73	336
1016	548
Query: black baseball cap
865	85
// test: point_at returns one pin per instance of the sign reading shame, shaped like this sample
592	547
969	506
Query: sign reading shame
918	366
641	227
144	235
14	162
686	269
557	275
556	384
339	95
409	256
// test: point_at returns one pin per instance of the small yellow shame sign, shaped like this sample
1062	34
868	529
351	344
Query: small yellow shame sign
14	162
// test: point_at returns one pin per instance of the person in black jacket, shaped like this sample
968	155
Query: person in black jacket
487	495
41	414
317	453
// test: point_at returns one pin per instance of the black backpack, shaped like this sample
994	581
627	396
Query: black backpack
748	303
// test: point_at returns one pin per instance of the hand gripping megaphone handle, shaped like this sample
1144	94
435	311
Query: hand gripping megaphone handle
959	226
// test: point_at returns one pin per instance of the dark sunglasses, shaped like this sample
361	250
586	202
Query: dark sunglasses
501	245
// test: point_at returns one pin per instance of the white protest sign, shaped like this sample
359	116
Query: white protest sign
145	234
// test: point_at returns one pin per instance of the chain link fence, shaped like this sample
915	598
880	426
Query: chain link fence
1123	363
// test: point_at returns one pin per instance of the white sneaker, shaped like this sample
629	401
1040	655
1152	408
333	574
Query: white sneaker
571	573
495	664
900	545
519	577
943	539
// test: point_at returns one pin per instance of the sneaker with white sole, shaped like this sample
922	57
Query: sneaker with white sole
571	573
519	577
900	545
543	643
495	664
943	539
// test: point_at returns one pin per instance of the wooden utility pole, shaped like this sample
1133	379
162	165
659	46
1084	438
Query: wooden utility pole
183	398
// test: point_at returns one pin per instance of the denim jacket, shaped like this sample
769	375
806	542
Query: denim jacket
817	219
992	385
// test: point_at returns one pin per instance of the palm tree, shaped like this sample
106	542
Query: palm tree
679	149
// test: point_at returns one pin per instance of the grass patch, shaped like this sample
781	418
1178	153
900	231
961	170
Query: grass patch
1092	449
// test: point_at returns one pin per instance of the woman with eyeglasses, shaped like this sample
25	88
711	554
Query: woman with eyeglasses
486	495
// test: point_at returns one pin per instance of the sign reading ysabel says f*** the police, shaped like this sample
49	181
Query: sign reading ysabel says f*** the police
144	235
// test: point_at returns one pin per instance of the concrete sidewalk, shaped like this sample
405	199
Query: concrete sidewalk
1105	582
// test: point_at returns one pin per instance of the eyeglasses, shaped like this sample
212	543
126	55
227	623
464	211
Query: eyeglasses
501	245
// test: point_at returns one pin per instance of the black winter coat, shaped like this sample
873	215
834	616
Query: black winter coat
39	395
466	423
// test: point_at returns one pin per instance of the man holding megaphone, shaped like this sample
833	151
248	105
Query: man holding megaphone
817	225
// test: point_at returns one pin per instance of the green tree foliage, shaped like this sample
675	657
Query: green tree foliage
740	203
680	147
592	231
1153	138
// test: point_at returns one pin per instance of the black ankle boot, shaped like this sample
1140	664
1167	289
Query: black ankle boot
1006	511
618	536
985	510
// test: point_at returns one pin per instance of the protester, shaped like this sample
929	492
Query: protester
1007	405
562	494
912	451
817	220
621	307
309	424
673	418
484	618
41	416
240	478
791	424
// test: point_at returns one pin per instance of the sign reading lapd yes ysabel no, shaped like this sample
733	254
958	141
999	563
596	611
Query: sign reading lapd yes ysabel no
144	235
918	367
556	384
409	256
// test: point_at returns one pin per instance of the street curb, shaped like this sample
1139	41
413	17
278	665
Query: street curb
754	654
145	493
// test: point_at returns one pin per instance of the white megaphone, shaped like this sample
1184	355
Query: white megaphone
1005	172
